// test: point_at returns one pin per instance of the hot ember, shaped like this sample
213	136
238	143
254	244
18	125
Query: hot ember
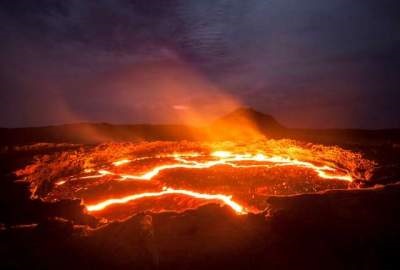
119	179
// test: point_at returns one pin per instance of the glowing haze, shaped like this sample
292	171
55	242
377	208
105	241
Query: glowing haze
309	63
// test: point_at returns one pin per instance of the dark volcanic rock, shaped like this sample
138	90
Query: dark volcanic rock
353	229
356	229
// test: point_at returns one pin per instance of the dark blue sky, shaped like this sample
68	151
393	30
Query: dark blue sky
309	63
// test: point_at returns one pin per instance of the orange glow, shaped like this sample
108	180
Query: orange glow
224	158
121	162
223	198
115	174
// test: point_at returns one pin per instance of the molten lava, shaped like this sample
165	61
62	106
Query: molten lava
223	198
227	158
111	176
222	158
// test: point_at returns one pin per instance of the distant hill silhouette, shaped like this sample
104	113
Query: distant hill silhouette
245	116
244	123
92	133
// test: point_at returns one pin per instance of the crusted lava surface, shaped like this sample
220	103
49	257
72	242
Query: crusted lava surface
303	205
117	180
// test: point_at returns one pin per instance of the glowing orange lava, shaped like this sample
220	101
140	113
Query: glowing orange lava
225	158
239	176
221	158
223	198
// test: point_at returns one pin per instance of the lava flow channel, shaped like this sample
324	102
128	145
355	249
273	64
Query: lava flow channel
227	200
225	158
240	176
221	158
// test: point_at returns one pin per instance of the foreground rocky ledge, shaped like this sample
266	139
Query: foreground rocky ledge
338	229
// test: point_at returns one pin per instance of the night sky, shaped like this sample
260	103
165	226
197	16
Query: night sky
309	63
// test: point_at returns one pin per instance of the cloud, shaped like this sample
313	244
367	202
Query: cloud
291	59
